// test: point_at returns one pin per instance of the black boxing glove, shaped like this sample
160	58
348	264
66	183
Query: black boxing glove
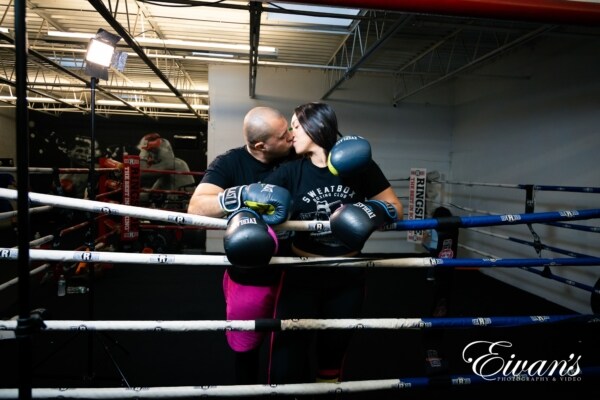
352	224
249	241
271	201
349	155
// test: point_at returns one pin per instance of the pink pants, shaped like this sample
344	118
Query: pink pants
245	302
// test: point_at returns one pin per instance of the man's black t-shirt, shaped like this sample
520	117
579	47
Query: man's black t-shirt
234	168
237	167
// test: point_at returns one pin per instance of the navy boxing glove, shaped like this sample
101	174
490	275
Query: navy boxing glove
249	241
349	155
271	201
352	224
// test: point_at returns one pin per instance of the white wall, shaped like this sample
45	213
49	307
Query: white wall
544	130
407	136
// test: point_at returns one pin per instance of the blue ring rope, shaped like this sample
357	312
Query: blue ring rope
493	220
533	244
550	275
515	262
510	321
577	227
550	188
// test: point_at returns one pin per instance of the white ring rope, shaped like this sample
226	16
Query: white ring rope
31	273
263	325
39	241
209	391
119	209
233	325
48	170
203	391
33	210
206	260
33	243
195	259
150	213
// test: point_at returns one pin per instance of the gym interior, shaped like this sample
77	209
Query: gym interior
505	125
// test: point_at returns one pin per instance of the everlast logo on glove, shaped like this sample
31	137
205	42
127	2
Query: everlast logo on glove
248	241
230	200
366	209
246	221
267	188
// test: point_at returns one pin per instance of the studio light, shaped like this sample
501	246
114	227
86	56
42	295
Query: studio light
99	57
101	54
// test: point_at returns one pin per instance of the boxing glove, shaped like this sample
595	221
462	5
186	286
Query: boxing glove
271	201
249	241
349	155
352	224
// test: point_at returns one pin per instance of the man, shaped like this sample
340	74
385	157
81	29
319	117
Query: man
249	292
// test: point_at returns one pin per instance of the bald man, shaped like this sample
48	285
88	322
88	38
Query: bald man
249	292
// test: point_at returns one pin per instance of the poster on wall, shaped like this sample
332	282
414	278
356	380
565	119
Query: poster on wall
417	188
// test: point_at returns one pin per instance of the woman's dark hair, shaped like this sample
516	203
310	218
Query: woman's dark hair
320	123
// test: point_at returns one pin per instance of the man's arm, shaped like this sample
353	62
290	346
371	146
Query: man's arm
205	201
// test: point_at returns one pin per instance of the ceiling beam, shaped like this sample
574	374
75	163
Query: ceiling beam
105	13
384	38
545	11
503	48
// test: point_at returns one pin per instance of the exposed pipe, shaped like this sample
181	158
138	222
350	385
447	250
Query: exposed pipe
546	11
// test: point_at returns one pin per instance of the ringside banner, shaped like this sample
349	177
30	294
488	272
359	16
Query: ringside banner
417	188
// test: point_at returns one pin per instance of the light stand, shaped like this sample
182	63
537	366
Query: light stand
99	56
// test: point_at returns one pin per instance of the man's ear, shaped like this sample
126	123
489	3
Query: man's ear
260	146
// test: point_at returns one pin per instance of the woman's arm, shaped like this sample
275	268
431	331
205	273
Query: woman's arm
389	196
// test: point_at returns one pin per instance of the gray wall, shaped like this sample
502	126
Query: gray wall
530	118
544	130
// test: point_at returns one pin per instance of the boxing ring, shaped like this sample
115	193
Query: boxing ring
543	267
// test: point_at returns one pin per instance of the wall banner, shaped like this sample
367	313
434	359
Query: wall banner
417	189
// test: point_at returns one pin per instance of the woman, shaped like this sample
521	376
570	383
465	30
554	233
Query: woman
319	292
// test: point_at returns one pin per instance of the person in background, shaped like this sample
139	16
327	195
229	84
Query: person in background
440	243
249	292
334	181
